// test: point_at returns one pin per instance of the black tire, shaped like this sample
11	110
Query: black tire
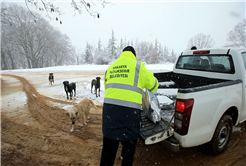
222	136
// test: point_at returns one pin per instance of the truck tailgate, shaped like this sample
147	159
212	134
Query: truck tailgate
154	132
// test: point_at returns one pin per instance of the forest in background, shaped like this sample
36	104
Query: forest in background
28	42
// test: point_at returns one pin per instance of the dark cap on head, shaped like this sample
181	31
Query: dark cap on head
129	48
193	48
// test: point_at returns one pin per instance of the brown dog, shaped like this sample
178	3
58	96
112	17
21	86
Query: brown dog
81	111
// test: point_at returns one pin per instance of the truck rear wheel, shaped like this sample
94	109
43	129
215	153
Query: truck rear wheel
222	135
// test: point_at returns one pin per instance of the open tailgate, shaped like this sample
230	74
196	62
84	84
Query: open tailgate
151	132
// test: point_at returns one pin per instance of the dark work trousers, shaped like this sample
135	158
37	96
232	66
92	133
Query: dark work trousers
110	148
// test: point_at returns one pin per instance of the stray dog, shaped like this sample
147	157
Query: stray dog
96	83
69	88
51	78
81	111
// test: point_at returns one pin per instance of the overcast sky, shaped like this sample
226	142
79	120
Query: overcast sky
171	23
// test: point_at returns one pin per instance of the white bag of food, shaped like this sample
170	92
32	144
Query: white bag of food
151	106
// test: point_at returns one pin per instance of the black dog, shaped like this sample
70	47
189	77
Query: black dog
51	78
69	88
96	83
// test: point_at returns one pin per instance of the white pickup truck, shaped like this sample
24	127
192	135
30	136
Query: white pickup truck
209	99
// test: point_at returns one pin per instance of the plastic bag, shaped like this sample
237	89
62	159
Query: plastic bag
151	106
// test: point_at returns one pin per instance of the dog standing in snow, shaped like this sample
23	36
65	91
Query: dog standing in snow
81	111
96	84
51	78
70	88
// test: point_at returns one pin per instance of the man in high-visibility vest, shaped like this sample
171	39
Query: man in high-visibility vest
124	81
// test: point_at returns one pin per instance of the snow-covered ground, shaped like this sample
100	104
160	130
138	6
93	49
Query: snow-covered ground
152	67
83	83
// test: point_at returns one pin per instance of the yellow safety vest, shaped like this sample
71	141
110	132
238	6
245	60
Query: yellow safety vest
125	79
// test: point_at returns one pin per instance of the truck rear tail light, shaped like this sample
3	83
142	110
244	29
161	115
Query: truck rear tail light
179	115
183	111
178	124
201	52
180	106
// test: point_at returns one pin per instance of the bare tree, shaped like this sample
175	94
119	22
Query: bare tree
30	44
51	7
237	36
3	61
8	47
201	41
2	9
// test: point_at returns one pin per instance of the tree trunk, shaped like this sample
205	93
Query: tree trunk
4	67
12	60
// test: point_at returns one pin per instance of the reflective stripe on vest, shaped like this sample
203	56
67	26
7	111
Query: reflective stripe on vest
122	103
126	87
154	86
137	74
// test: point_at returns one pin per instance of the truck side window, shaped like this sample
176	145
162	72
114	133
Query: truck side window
244	59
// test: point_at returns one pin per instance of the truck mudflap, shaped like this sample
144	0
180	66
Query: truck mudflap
152	133
171	143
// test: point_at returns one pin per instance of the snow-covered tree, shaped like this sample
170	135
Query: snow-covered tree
100	56
28	43
120	48
165	53
200	41
88	57
112	47
99	45
142	51
173	56
160	54
237	36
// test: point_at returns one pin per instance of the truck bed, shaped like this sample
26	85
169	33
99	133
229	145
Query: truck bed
151	132
183	81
